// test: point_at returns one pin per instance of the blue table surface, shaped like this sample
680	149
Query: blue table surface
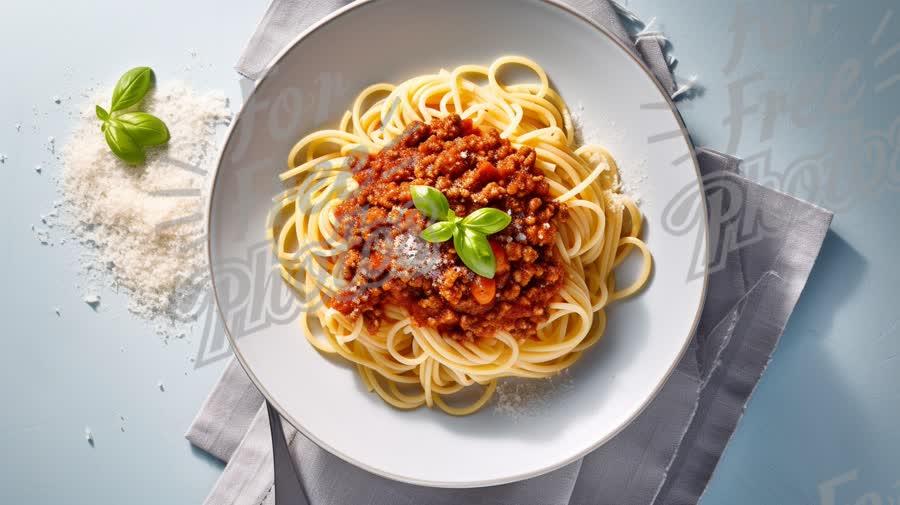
785	82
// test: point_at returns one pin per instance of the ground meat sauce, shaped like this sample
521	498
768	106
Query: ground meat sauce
388	264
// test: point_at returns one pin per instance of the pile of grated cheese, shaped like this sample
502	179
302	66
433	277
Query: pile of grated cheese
143	227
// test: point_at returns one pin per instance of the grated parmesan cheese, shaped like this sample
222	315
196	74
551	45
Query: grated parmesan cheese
137	236
631	178
415	257
517	398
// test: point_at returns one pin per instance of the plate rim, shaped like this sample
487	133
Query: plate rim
459	484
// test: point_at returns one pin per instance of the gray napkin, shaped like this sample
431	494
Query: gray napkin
668	454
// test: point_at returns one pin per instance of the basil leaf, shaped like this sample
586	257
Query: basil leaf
475	251
102	115
487	220
122	145
430	202
146	129
438	232
131	88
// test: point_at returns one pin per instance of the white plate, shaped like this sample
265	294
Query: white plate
309	87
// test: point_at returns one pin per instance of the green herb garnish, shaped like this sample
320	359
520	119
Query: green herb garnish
128	133
469	233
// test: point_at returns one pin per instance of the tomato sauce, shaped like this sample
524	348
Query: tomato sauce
388	264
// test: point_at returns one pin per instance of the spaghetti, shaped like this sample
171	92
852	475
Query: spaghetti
409	364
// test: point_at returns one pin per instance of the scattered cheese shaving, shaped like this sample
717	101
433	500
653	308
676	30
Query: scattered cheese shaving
606	133
516	398
416	257
42	235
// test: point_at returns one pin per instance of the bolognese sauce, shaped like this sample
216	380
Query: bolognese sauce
387	264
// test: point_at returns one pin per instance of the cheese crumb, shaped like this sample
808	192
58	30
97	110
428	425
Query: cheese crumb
42	235
93	300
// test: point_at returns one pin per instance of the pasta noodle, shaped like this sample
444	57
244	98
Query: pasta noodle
408	365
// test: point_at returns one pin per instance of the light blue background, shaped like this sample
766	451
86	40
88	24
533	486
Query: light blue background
826	410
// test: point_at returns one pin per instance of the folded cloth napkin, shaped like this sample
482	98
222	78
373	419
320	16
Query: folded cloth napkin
668	454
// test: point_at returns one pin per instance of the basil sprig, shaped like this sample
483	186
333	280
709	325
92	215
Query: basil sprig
469	233
128	133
